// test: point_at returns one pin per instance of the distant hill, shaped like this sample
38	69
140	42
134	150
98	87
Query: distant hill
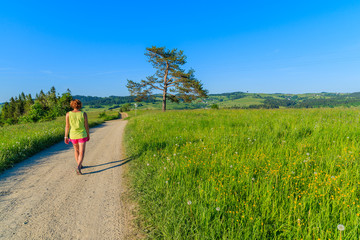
235	100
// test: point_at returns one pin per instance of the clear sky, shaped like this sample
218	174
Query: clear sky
92	47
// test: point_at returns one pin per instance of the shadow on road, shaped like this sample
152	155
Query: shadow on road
120	163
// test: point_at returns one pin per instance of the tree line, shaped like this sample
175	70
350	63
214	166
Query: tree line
45	106
99	102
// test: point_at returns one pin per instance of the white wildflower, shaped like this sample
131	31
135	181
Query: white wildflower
341	227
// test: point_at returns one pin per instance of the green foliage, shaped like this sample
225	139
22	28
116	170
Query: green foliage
247	174
126	107
214	106
35	114
102	114
46	107
98	102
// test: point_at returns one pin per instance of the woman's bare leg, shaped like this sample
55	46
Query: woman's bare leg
81	154
76	151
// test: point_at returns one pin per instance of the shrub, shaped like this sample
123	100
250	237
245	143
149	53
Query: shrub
214	106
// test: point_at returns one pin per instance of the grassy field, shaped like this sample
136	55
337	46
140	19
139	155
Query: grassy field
242	102
18	142
247	174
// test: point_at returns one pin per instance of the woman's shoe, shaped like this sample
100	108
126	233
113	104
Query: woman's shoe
78	171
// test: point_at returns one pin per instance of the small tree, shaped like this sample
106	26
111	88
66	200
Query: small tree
125	107
214	106
28	102
169	77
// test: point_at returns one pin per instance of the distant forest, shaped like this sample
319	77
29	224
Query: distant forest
99	102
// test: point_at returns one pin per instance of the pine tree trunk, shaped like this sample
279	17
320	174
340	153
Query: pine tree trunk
164	101
165	87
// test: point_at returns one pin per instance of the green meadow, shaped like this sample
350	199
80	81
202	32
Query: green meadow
18	142
242	102
246	174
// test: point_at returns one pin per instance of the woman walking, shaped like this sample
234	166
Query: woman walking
77	123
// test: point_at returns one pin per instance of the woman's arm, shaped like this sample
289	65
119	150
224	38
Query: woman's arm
87	125
67	128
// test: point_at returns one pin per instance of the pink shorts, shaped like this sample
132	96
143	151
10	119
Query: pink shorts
81	140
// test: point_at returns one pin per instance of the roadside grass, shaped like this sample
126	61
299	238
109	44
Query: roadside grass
18	142
247	174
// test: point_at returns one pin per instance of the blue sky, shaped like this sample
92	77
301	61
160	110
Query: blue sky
92	47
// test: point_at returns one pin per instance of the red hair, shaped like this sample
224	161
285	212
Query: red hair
76	103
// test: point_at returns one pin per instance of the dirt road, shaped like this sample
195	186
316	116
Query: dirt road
43	198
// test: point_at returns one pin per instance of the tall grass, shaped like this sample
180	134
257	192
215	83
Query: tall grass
247	174
18	142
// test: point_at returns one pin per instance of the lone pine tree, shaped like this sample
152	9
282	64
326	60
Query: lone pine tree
174	82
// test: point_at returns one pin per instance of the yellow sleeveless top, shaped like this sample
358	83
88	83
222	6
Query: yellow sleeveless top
77	125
